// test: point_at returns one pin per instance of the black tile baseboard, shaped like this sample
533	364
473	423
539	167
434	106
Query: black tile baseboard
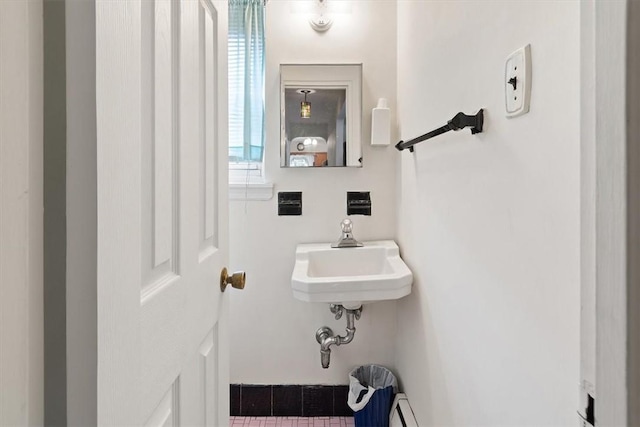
290	400
340	407
255	400
234	397
317	401
287	400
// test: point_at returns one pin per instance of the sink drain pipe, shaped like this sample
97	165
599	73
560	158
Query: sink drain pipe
325	336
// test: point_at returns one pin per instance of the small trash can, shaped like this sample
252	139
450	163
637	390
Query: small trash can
371	391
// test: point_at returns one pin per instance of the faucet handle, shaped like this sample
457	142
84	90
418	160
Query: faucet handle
346	240
347	225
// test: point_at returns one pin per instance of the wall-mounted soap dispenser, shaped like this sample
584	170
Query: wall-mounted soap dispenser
381	124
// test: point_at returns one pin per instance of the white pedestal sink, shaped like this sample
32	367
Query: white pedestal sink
350	276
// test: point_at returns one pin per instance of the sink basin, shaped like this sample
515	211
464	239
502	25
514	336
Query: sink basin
350	276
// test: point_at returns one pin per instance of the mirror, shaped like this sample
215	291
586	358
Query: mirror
321	110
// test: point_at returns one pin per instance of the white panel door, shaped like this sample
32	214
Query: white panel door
21	210
162	221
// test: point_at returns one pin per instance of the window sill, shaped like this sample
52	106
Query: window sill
250	191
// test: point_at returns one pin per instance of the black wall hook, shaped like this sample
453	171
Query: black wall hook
459	121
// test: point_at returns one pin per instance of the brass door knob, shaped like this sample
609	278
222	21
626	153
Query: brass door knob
236	280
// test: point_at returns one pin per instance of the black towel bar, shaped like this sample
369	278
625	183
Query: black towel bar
459	121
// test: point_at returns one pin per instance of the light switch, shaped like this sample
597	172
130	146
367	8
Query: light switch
517	82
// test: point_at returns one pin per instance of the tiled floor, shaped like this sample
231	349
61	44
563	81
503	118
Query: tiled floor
291	422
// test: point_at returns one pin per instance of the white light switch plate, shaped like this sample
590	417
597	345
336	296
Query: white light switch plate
517	82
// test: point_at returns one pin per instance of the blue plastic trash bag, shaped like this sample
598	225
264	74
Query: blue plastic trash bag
371	392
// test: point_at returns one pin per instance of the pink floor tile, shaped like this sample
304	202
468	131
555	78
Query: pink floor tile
291	422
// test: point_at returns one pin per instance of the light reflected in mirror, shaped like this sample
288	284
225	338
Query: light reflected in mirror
320	115
315	129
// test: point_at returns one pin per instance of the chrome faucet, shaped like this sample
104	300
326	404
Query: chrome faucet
346	239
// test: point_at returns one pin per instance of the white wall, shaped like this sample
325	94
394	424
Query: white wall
273	335
490	224
616	213
21	205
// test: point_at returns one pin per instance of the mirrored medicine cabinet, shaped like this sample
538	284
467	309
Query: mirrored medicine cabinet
321	115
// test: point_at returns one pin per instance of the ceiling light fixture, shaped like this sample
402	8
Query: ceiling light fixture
305	107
